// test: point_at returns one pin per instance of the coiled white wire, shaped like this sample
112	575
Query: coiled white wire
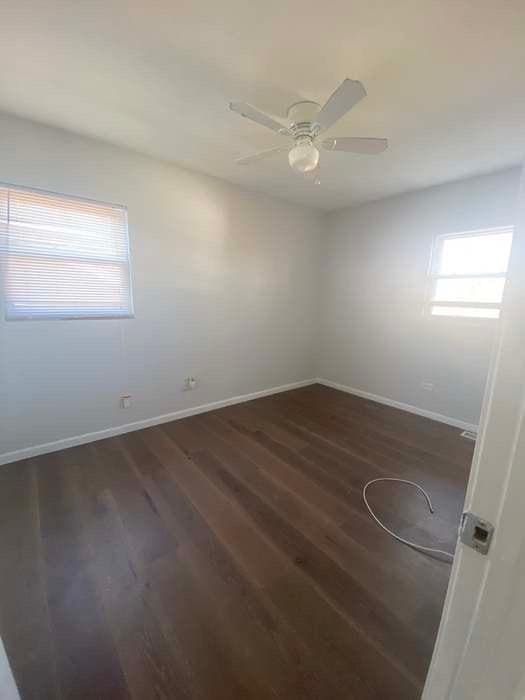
393	534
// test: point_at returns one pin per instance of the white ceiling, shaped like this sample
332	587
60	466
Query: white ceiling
445	82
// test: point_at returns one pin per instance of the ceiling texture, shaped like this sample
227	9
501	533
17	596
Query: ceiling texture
445	82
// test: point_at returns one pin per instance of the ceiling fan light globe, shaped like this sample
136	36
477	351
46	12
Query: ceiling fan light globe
304	157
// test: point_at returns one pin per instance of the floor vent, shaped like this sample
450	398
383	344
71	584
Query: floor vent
470	435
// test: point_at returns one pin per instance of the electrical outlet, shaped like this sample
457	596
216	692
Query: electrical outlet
427	386
190	383
125	401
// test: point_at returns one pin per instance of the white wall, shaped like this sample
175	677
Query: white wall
225	288
375	336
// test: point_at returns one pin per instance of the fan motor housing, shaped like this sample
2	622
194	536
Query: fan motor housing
302	119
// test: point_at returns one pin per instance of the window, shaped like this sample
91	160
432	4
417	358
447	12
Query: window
468	273
63	257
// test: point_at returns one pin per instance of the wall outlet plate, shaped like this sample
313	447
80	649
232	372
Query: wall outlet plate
427	386
125	401
190	383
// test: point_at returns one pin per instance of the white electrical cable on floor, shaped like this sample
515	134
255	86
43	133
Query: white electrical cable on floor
393	534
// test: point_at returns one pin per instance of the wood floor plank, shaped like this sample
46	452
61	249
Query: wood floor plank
145	530
403	594
151	666
406	514
435	469
296	481
435	474
399	509
414	430
229	555
376	445
261	638
254	634
87	661
230	523
285	657
24	616
373	619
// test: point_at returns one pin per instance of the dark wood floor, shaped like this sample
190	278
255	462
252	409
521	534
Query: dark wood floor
229	556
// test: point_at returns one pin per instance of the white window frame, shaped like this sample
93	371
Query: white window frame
434	276
69	317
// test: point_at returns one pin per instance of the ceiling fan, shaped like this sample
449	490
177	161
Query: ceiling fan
306	122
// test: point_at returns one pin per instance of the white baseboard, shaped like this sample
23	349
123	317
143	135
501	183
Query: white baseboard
398	404
36	450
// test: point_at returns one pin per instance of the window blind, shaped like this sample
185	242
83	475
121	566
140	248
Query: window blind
63	257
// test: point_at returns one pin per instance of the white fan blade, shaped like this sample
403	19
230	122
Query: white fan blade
354	144
246	110
261	155
342	100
